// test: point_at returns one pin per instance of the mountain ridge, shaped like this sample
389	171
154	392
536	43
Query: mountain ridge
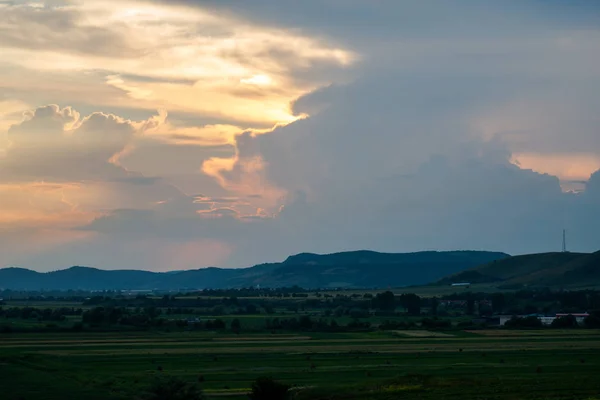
351	269
554	270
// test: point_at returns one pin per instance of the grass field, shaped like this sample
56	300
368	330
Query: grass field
550	364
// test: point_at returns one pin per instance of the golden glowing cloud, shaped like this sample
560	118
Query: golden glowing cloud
41	205
537	133
141	56
568	167
11	112
209	135
165	56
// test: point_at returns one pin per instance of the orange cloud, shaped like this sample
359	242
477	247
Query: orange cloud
42	206
165	56
573	167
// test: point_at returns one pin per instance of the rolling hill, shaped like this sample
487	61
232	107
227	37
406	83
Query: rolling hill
555	270
364	269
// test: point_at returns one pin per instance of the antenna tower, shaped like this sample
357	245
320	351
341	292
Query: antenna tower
564	243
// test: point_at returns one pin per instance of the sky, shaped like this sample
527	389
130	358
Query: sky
168	135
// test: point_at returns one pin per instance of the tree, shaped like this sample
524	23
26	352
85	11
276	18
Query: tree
498	303
152	312
339	311
269	309
412	303
251	309
568	321
236	326
576	300
305	322
470	305
384	301
217	324
266	388
172	388
592	321
434	306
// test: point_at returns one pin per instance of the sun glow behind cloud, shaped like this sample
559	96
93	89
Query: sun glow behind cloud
258	80
143	56
165	56
567	167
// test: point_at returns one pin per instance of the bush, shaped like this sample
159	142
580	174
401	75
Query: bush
268	389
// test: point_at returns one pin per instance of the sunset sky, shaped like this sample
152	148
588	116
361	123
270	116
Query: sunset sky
162	135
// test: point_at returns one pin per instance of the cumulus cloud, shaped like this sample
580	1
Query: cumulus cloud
244	174
396	164
77	177
57	144
593	185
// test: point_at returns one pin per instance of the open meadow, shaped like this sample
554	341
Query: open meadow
495	364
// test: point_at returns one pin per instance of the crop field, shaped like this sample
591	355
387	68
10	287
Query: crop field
376	365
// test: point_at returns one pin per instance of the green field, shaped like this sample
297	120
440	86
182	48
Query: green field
495	364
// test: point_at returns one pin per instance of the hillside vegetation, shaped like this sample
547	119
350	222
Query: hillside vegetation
358	269
568	270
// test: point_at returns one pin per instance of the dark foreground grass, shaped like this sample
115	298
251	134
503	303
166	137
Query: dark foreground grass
473	366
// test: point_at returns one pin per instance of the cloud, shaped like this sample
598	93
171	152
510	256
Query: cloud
67	169
11	112
78	191
245	175
593	185
314	126
30	205
570	167
180	218
82	177
359	24
46	28
158	56
392	163
56	144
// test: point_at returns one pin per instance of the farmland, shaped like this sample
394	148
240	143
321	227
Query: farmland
549	364
325	345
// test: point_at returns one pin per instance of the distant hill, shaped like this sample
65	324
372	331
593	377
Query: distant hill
555	270
358	269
